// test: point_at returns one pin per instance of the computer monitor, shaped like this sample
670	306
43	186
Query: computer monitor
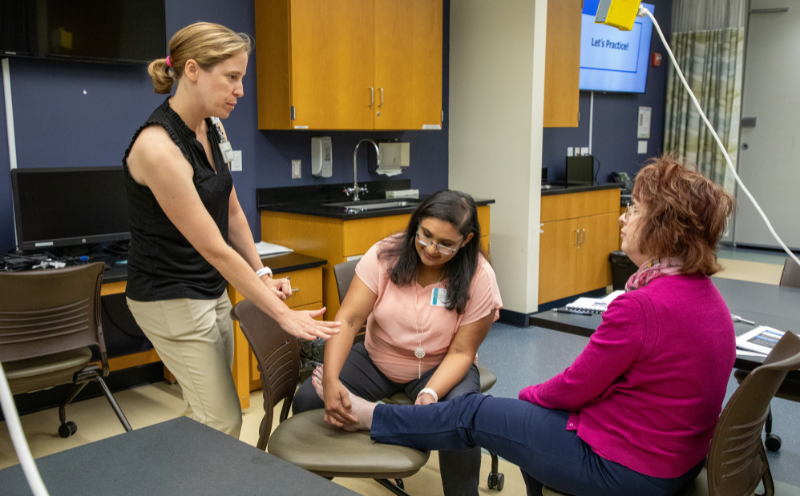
69	206
580	170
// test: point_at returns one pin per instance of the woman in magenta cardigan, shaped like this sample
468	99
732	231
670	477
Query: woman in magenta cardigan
635	413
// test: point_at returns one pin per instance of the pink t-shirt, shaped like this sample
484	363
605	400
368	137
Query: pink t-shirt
391	335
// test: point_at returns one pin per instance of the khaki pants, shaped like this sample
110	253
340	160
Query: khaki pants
194	339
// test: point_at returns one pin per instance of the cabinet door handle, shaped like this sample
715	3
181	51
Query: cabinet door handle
295	290
583	239
578	238
371	96
381	90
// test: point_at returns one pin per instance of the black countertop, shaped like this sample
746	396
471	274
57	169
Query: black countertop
560	189
318	209
279	264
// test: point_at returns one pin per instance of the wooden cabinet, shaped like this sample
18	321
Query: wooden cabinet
562	63
337	240
579	232
349	64
408	64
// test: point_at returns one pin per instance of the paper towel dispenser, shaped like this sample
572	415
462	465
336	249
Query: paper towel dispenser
395	158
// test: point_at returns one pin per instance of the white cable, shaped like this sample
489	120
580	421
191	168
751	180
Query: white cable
643	11
18	438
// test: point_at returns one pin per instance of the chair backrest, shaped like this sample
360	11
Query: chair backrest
344	273
278	357
791	274
49	311
737	461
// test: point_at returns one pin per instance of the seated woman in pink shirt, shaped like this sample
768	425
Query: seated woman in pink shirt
429	297
635	413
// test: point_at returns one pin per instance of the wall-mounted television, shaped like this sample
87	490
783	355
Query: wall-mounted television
115	31
614	60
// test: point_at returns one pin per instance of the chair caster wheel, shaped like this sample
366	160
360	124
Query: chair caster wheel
773	442
67	429
496	482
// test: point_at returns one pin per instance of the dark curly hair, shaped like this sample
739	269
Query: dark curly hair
459	210
683	213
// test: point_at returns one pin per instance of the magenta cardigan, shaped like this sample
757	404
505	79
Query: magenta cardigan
647	390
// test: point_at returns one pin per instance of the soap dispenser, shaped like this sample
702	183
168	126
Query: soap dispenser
322	156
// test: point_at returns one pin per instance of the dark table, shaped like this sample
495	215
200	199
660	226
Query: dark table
764	304
173	458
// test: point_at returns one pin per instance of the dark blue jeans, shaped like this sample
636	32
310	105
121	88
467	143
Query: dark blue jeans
460	470
532	437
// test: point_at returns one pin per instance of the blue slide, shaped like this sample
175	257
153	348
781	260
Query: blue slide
614	60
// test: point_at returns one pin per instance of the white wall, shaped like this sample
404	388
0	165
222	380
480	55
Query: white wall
497	51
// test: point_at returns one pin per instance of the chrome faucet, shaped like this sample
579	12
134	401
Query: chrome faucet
356	190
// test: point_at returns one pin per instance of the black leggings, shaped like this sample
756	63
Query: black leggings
460	469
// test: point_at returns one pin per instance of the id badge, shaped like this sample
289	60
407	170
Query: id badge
439	297
227	151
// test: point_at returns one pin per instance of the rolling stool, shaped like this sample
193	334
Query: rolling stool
488	379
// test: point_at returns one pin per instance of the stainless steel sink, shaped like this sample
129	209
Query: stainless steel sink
362	206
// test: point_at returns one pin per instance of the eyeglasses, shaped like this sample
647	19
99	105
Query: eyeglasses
632	209
425	242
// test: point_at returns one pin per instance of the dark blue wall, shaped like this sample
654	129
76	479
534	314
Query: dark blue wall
57	125
616	115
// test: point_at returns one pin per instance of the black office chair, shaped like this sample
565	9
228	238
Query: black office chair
345	272
48	320
790	389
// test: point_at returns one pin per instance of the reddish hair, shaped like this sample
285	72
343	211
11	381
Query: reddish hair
683	214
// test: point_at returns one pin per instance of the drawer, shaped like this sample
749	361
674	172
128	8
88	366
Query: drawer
361	234
574	205
306	286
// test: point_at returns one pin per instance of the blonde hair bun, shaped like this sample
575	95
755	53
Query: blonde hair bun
204	42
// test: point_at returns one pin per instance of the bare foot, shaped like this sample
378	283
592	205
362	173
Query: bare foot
361	408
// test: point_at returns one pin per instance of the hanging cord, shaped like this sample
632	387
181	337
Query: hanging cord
644	12
18	438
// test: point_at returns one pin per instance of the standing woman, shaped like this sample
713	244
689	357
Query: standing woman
189	235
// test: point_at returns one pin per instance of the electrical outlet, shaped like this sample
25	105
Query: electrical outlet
584	151
569	151
577	151
296	171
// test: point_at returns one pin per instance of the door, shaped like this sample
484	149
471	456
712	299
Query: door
598	238
332	63
408	64
769	156
557	259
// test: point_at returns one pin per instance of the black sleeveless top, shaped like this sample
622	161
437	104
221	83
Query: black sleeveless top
162	264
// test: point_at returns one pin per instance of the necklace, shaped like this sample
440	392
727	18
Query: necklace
420	351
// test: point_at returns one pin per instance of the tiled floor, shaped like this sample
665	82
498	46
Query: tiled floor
519	357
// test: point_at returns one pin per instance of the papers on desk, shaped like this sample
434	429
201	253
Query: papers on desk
760	340
269	250
593	305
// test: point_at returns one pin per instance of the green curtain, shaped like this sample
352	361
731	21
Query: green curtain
713	63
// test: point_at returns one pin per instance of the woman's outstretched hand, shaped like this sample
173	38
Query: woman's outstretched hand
301	324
